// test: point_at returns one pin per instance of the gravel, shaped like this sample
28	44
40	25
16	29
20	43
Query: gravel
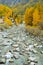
22	45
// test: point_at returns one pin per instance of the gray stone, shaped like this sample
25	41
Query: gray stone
2	61
39	46
41	52
16	55
11	60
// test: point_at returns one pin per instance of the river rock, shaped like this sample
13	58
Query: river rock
39	46
16	49
15	45
32	58
2	61
30	46
16	55
35	44
34	51
32	63
11	60
41	52
4	34
1	40
8	55
6	43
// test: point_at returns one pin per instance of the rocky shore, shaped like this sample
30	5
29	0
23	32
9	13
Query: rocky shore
25	48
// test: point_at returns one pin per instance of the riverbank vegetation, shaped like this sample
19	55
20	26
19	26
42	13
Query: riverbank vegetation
32	15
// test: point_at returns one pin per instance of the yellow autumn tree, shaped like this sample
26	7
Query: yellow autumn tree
5	11
7	21
18	20
29	16
36	17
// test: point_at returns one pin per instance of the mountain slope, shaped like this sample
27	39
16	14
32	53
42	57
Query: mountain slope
14	2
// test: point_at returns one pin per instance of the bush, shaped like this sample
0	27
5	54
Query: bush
34	19
5	11
18	19
38	18
7	21
33	30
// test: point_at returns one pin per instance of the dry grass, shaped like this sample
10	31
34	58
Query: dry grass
35	30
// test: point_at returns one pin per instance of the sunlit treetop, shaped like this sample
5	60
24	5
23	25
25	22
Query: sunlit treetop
5	11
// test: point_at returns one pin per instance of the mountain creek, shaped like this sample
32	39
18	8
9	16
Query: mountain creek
25	48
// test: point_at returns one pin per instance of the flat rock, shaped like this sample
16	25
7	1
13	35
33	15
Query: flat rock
32	63
15	45
39	46
32	58
2	61
41	52
16	55
11	60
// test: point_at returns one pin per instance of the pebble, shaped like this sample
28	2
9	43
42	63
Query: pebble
34	51
39	46
27	44
16	55
35	44
1	41
30	46
41	52
29	62
32	63
16	49
4	34
7	42
15	45
2	61
32	58
27	49
8	55
11	60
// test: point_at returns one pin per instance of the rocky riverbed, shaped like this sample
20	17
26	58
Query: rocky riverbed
25	48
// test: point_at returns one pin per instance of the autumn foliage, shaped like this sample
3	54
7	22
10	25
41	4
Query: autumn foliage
5	11
34	16
7	21
29	16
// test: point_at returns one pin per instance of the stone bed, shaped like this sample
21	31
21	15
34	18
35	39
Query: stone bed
26	48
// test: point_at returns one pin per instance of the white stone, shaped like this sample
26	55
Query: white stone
32	63
15	45
9	55
11	60
39	46
18	49
30	46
